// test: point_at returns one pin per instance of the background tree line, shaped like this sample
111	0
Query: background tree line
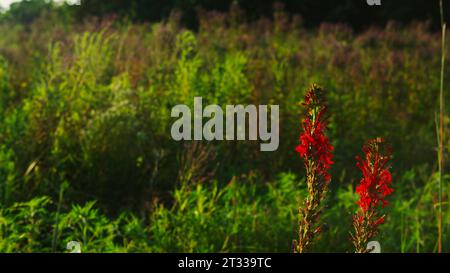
356	13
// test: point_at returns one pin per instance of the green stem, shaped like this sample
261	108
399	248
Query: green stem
441	128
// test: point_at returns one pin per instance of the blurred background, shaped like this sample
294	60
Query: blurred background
86	90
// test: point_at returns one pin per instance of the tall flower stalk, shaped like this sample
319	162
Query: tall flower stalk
315	150
441	133
374	186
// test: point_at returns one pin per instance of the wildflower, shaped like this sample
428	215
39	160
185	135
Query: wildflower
315	150
373	188
314	147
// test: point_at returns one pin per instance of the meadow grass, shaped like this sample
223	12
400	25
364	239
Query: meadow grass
86	152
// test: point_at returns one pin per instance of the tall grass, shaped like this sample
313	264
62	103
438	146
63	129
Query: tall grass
441	137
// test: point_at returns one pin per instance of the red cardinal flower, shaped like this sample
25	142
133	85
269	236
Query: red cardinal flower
376	181
315	150
314	147
373	188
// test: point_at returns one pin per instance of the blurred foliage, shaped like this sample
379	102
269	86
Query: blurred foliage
85	116
242	216
356	13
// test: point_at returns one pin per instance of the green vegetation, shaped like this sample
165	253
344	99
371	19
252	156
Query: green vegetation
86	152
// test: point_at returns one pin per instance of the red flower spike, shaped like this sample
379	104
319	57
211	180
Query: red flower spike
376	181
314	145
315	150
373	189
